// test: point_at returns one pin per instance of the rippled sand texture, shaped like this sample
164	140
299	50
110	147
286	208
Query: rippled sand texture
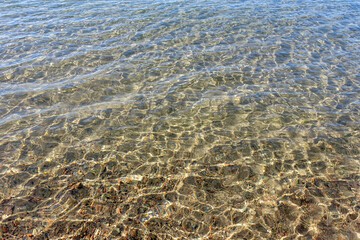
179	120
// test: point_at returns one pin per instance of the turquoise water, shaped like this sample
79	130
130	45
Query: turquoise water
179	119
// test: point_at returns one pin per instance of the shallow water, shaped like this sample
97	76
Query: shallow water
179	119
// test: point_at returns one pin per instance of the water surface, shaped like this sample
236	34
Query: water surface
179	119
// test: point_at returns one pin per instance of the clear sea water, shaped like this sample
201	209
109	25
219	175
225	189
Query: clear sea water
180	119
